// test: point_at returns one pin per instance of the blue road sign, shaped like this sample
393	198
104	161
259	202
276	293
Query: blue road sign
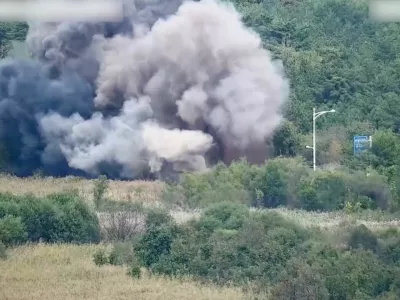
360	143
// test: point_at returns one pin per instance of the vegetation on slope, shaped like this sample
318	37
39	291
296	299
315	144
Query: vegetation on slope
266	254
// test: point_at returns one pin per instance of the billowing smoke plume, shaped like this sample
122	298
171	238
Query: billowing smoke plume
174	86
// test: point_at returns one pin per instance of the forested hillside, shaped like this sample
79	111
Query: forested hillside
335	57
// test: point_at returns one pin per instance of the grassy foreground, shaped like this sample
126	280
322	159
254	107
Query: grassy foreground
49	272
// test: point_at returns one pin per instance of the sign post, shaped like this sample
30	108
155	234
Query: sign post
361	143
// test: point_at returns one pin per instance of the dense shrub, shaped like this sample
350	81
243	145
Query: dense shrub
389	246
362	237
230	244
284	182
156	218
368	275
3	251
222	184
300	281
271	186
155	244
56	218
100	257
227	244
325	191
277	182
134	271
12	231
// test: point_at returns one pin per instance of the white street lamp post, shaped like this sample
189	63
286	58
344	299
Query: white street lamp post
315	116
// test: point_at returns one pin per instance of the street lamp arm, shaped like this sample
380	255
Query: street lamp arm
318	114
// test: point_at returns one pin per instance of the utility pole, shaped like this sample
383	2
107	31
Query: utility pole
315	116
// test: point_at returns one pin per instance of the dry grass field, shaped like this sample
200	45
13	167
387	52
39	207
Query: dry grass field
328	220
67	272
143	191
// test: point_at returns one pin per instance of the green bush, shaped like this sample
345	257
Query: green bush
355	272
326	191
221	184
271	185
389	246
56	218
285	182
227	244
3	251
369	189
362	237
135	271
277	182
100	257
157	217
228	215
155	244
231	244
12	231
300	282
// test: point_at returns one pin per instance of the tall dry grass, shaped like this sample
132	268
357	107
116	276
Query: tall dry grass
138	190
67	272
374	220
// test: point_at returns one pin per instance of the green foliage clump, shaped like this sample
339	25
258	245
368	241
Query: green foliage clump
300	281
3	251
230	244
362	237
12	231
56	218
134	271
276	183
154	246
286	182
223	184
100	257
227	244
389	246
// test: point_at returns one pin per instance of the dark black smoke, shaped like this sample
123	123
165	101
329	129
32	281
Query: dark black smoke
28	90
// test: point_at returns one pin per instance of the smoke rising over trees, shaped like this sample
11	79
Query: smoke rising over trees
173	86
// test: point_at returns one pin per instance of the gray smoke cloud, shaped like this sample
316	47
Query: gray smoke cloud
132	139
178	86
